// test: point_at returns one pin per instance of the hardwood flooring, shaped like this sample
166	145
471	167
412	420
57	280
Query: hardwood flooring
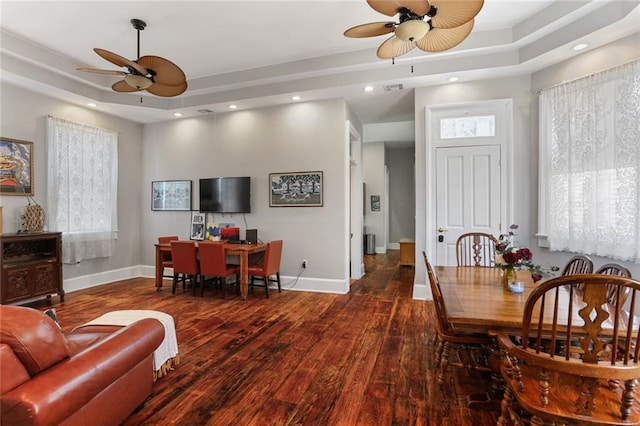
297	358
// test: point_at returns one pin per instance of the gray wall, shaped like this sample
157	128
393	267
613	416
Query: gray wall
521	89
289	138
23	117
373	162
402	201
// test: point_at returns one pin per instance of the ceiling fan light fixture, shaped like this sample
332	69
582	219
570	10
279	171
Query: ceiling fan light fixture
137	81
412	30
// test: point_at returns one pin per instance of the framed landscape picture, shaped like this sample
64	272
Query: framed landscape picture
171	195
16	167
295	189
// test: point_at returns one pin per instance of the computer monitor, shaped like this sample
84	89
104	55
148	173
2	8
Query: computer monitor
251	235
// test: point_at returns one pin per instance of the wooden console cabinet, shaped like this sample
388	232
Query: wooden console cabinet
31	266
407	252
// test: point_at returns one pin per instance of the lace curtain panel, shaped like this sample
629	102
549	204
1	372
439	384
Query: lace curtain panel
82	188
590	164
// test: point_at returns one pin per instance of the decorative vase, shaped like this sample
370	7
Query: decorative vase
508	274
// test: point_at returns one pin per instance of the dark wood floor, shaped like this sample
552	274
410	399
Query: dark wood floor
297	358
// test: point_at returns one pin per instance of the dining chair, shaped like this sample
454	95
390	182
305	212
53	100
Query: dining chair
576	359
619	270
166	255
471	349
476	249
213	263
269	267
185	264
578	265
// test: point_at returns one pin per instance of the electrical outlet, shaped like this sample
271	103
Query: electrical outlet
304	263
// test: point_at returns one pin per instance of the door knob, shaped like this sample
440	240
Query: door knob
441	229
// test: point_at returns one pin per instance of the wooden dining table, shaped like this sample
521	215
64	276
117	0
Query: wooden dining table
476	301
241	250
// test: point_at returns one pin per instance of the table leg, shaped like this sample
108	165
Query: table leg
158	269
244	274
491	400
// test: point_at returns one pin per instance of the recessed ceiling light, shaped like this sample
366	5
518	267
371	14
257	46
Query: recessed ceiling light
295	98
92	104
233	106
177	114
453	79
368	89
580	46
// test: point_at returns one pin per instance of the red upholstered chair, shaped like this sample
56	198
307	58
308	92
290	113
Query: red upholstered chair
269	267
213	263
166	256
185	264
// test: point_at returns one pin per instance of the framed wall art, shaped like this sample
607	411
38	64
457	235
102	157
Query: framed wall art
16	167
171	195
198	220
375	203
296	189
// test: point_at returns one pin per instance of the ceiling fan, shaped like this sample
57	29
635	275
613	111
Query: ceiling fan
154	74
432	26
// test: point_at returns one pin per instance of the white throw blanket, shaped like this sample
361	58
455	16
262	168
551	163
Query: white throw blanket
166	356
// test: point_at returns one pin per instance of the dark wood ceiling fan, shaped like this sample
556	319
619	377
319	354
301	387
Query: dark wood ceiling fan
154	74
432	26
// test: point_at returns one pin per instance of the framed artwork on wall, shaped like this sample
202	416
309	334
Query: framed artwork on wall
16	167
198	220
295	189
375	203
171	195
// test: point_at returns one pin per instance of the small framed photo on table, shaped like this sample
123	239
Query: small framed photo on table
197	225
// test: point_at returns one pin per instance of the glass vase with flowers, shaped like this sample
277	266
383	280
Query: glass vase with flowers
510	259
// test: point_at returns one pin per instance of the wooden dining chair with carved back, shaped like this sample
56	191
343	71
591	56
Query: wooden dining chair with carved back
213	263
578	265
476	249
185	264
166	255
576	360
269	267
470	349
621	271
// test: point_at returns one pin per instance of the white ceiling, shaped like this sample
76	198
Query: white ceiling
259	53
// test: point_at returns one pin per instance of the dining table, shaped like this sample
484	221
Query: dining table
241	250
476	302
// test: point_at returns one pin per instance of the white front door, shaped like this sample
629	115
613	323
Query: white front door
468	195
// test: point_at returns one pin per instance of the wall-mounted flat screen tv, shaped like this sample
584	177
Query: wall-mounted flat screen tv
225	195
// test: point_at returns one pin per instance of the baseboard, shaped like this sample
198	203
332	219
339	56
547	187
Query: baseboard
316	285
92	280
422	292
394	246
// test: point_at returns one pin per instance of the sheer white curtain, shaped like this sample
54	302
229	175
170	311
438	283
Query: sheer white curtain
590	164
82	188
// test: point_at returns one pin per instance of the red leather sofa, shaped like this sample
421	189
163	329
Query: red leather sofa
92	377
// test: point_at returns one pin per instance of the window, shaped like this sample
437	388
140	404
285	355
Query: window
590	164
82	188
468	127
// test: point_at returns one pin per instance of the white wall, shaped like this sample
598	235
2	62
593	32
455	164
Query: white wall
289	138
23	117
